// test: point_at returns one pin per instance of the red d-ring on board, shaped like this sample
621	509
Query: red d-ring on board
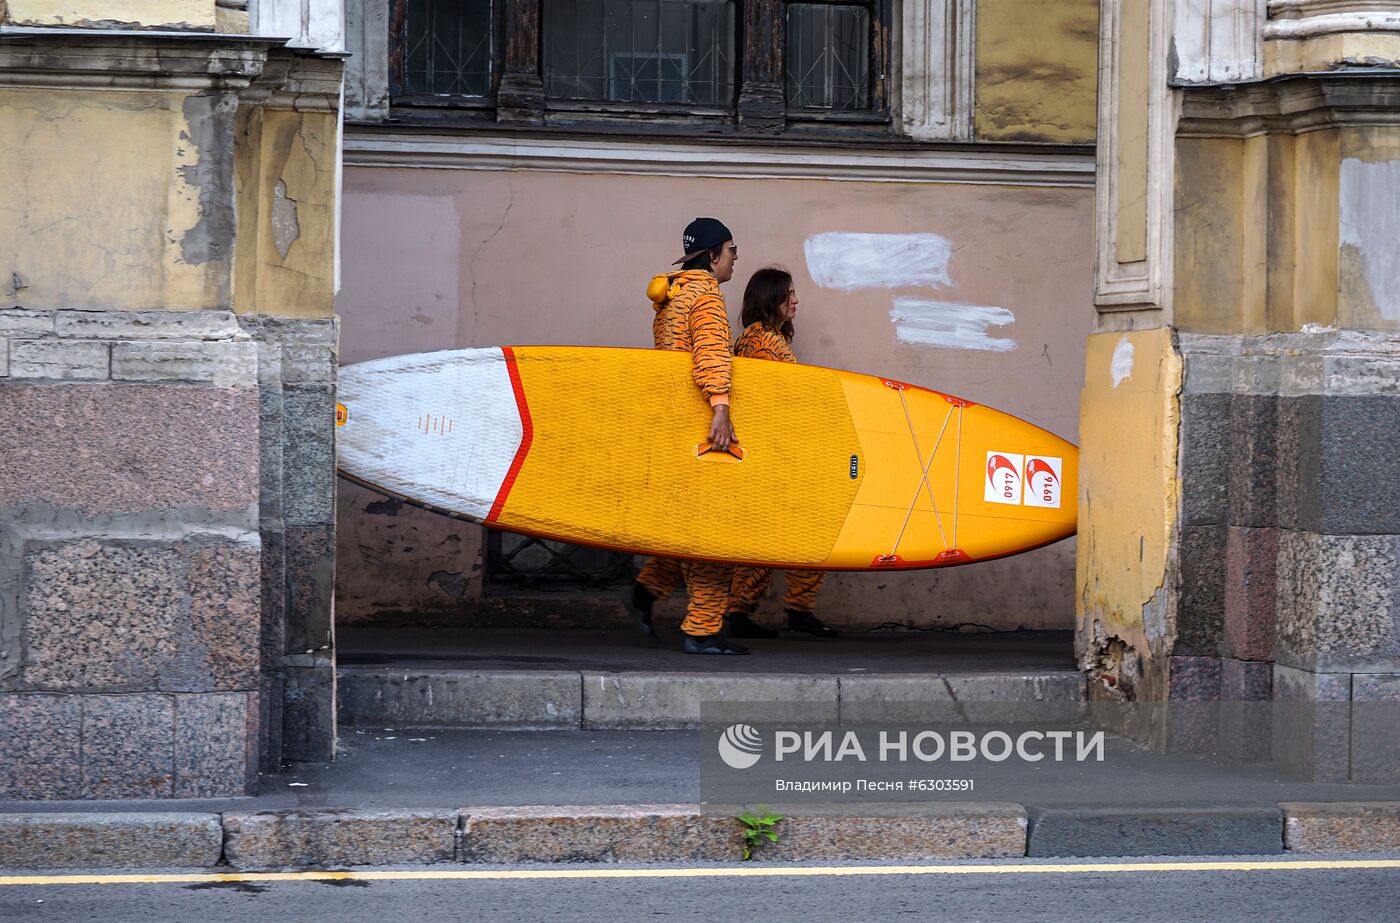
952	556
887	560
958	401
891	383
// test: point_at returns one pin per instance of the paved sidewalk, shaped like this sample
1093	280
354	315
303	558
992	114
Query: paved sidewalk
450	796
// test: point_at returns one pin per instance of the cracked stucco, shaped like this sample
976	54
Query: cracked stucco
149	14
1129	491
107	229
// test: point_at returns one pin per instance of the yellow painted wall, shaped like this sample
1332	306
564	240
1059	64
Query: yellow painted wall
285	174
1327	52
1037	68
1209	234
169	14
1314	178
98	207
1128	495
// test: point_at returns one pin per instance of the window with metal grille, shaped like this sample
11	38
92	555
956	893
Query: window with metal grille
447	48
705	62
675	51
524	563
828	56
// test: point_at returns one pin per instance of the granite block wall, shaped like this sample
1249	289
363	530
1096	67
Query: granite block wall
158	576
1289	548
130	562
296	388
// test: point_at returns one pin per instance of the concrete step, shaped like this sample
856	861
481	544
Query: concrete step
537	679
636	700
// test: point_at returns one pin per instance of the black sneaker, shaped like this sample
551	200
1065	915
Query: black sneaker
740	625
711	644
807	623
639	601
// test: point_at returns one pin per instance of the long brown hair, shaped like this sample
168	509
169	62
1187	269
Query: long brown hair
764	298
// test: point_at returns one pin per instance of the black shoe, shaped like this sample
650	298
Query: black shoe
808	623
639	601
711	644
739	625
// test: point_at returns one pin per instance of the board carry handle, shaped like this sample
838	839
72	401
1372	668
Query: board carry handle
733	450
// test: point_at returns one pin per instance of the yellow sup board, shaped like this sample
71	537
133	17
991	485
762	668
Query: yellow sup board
839	471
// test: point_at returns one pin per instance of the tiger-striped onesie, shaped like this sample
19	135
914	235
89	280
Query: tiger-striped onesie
749	583
691	317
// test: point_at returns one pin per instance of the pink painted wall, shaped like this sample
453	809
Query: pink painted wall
437	259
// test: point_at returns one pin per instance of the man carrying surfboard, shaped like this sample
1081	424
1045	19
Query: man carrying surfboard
690	316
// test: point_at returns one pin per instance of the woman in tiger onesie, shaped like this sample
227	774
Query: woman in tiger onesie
691	317
770	303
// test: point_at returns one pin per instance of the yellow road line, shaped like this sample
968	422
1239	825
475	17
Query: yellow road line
1257	865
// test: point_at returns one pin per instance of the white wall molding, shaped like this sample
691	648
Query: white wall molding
388	148
1218	41
1311	26
318	24
367	71
1142	286
937	72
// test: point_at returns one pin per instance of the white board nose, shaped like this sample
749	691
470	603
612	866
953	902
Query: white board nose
443	427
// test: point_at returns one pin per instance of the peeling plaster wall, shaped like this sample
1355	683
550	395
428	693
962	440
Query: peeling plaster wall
139	190
1369	229
1037	67
193	15
286	203
1128	499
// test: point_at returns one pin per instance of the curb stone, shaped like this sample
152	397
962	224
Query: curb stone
677	833
1341	827
1129	831
292	839
110	840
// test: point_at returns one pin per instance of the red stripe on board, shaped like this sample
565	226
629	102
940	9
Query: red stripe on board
527	434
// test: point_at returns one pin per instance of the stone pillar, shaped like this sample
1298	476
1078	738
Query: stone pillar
1247	212
138	571
1291	338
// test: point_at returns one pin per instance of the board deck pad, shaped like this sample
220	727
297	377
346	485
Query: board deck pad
840	471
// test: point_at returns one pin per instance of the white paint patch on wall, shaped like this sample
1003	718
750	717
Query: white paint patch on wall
950	325
848	261
1370	222
1121	367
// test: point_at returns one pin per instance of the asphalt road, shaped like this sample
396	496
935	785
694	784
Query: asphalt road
1020	890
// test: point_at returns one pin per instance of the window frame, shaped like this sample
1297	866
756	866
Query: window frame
878	52
760	102
398	50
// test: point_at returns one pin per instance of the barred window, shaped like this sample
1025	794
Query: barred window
828	56
447	48
521	562
758	63
652	51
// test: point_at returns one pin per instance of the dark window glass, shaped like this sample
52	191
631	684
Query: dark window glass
650	51
522	562
828	56
447	47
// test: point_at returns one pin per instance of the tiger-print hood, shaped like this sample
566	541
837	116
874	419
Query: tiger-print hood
667	286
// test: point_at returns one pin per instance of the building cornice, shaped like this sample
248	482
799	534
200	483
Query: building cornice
375	146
